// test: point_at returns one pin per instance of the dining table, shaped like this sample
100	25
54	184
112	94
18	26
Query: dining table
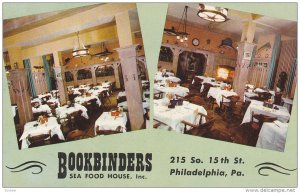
107	122
96	90
272	136
63	111
217	93
42	108
282	114
84	99
178	90
35	128
173	117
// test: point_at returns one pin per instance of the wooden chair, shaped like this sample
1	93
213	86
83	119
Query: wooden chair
202	128
121	99
39	140
92	107
108	132
75	135
45	99
73	118
197	84
37	115
35	104
205	90
228	105
257	120
278	98
264	96
158	95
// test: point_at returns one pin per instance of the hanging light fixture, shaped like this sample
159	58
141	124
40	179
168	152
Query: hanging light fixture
211	13
104	54
79	48
183	35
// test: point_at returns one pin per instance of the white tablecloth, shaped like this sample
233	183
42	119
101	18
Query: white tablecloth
288	103
173	117
44	95
54	100
62	112
106	84
84	86
76	90
170	78
273	136
108	122
82	99
53	93
42	108
29	129
217	93
179	90
257	107
36	100
96	90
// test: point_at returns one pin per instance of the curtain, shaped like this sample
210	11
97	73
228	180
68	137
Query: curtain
30	76
272	65
291	76
47	73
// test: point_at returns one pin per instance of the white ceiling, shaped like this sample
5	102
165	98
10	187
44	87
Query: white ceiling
234	25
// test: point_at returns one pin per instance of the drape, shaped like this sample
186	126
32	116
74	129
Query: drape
272	65
291	76
47	73
29	76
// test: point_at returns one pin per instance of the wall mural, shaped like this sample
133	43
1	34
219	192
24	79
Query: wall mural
190	63
166	54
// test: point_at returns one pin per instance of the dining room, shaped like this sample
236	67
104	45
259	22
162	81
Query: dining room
76	73
227	75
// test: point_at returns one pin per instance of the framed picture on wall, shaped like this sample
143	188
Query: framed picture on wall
247	55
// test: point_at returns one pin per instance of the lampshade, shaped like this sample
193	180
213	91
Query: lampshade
211	13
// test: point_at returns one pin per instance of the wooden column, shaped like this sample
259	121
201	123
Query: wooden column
20	86
242	68
127	55
60	78
94	78
176	52
132	86
116	73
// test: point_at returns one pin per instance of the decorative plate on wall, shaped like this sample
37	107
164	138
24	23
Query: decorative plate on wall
196	42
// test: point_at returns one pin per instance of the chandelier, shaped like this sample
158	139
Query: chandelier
104	54
211	13
183	35
79	48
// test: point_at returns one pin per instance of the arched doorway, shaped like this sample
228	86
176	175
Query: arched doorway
190	64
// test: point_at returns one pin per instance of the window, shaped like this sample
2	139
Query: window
102	71
69	77
84	74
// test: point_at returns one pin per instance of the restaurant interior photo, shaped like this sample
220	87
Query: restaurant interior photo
226	75
76	73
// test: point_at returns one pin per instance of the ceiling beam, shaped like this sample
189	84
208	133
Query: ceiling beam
77	22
